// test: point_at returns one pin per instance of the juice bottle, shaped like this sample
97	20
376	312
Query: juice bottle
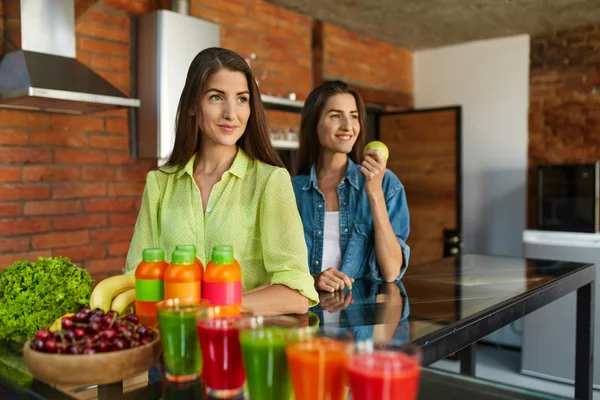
149	284
223	281
183	278
192	248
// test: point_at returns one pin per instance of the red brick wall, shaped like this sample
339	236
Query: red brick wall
67	183
564	102
366	62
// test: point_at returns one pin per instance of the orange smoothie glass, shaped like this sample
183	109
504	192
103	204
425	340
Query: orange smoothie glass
317	363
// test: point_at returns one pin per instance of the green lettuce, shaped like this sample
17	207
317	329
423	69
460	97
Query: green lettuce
34	295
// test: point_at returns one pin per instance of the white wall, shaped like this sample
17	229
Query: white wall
490	80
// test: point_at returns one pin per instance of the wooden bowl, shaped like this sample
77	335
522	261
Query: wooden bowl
93	369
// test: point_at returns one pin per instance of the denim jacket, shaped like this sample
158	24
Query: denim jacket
357	241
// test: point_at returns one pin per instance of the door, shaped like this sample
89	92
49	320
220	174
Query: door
425	154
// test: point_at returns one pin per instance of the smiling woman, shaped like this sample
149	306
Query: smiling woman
225	184
353	208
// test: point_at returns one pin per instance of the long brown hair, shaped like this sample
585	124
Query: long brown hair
255	141
308	154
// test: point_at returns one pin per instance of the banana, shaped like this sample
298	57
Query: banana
106	290
123	301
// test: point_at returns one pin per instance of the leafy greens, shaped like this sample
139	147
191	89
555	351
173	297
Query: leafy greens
33	295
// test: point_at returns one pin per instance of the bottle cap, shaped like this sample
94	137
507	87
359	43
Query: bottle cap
222	254
153	255
182	257
187	247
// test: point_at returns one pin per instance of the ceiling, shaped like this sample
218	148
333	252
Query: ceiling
422	24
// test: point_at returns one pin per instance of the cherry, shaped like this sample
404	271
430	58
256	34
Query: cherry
107	320
146	340
95	318
38	344
69	334
85	309
43	334
109	333
67	323
74	349
134	343
102	346
113	314
79	332
144	330
56	335
94	327
81	316
128	334
97	311
89	341
62	347
133	318
89	350
50	345
119	344
123	328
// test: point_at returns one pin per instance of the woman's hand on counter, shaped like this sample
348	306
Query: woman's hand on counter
331	280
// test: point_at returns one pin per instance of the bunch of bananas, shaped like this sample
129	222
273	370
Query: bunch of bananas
115	293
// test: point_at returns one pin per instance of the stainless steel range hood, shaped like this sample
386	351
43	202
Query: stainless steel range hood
44	74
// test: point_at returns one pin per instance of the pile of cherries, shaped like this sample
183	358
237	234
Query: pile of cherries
93	331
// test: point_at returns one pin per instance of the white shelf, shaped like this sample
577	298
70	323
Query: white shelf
285	144
283	101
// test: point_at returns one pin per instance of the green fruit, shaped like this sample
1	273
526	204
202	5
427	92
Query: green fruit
377	145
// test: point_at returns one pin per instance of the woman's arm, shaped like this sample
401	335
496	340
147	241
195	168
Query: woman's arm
388	250
284	251
274	300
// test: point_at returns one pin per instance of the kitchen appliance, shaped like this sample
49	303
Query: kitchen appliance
548	346
568	197
167	43
44	75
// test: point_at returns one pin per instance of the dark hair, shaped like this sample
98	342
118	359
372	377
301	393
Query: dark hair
256	140
308	154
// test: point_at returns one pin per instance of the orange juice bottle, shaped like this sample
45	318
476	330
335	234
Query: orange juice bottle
192	248
223	281
149	284
183	278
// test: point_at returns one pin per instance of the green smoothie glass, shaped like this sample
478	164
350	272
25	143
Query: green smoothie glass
263	341
179	337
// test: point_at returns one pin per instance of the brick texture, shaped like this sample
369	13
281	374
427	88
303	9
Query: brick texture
68	185
366	62
564	102
56	171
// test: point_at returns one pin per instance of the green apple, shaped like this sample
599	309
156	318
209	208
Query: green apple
377	145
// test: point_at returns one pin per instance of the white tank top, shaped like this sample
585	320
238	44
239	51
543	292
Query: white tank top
332	254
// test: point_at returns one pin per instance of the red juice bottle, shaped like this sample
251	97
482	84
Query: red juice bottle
223	282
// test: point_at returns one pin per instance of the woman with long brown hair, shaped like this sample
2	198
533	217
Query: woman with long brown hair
225	184
353	208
